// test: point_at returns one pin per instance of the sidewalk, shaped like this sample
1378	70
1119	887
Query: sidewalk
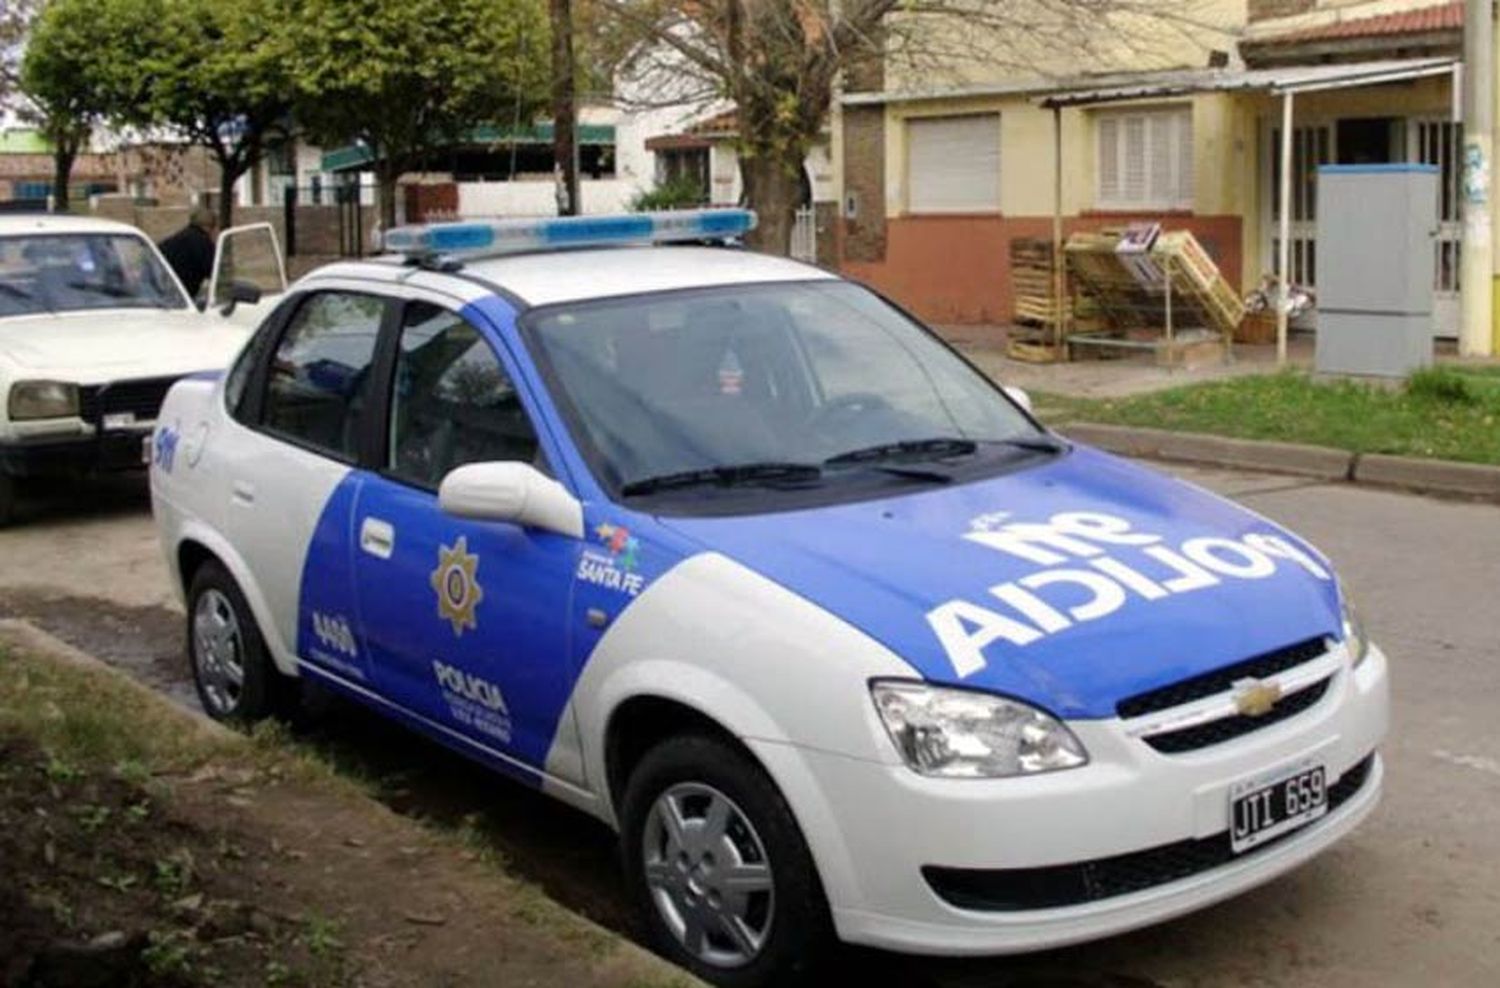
1133	375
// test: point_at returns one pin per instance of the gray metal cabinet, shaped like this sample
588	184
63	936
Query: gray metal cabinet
1375	230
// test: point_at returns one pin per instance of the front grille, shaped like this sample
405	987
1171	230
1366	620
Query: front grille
1229	728
143	398
1220	680
1017	889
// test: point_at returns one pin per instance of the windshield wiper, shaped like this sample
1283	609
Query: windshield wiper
113	291
1040	443
725	476
912	449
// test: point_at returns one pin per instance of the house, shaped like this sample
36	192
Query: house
496	170
935	181
705	151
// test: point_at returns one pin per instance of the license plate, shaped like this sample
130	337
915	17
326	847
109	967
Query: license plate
1265	808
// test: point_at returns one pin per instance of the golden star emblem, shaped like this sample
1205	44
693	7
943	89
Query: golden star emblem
457	585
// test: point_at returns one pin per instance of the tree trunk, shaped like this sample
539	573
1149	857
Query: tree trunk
564	115
386	176
773	188
62	175
227	178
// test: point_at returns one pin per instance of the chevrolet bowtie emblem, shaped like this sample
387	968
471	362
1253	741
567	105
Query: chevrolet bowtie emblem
1255	697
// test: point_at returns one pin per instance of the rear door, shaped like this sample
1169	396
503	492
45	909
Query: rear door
293	472
465	621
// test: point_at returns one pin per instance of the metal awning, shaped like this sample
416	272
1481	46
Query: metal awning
1117	87
357	156
1277	81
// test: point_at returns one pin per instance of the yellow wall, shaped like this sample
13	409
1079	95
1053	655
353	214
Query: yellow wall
1223	133
1230	134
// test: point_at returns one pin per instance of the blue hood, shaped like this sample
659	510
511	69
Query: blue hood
1072	585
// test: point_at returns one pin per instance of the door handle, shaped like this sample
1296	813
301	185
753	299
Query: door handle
377	537
243	493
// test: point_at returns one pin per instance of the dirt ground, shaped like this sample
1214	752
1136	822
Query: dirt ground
251	864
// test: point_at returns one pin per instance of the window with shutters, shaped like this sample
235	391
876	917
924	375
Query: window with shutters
953	164
1145	159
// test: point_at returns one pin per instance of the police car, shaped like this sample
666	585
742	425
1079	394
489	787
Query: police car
94	329
739	558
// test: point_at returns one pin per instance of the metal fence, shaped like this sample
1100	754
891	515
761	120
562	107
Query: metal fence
805	236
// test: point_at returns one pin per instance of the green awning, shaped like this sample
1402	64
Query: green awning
358	156
24	141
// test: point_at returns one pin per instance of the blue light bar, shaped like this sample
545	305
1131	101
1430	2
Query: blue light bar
488	237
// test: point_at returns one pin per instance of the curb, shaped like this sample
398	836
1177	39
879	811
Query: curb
1445	477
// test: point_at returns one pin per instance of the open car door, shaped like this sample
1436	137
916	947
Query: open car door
249	275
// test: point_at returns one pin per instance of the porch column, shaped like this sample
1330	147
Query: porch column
1059	271
1284	247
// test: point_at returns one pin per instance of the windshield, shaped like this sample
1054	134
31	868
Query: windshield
79	271
773	383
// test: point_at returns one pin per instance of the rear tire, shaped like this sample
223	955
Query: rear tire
235	677
717	866
7	499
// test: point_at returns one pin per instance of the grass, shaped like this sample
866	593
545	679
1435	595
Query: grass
86	723
1441	413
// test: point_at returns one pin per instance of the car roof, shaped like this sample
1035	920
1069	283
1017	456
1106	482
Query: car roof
549	277
42	223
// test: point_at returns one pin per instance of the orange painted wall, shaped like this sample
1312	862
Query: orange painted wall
956	269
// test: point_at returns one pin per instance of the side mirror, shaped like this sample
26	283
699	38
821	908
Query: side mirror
513	492
1019	396
240	291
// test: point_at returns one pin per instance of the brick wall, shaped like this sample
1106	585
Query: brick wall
863	238
1265	10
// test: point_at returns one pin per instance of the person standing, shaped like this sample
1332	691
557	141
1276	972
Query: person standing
190	251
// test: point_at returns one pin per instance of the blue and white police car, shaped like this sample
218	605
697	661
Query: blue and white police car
739	558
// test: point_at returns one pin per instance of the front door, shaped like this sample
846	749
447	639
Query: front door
465	621
1312	146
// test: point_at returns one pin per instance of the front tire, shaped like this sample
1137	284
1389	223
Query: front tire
235	677
717	867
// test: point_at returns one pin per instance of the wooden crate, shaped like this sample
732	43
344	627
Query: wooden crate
1031	279
1256	327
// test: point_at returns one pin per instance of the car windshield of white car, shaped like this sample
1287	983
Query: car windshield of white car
755	390
81	271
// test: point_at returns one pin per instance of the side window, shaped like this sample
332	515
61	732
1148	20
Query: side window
452	402
318	384
249	358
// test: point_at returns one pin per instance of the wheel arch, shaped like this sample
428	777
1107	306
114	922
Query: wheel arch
197	545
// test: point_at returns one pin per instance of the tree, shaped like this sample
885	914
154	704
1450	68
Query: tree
15	23
404	79
80	68
217	74
777	61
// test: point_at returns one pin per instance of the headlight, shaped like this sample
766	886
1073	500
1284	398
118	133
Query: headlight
42	400
958	734
1355	639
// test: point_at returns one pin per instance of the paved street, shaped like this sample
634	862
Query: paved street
1411	899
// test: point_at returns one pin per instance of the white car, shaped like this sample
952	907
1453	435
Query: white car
737	557
94	328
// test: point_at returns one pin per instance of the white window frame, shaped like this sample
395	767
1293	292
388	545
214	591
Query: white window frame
989	204
1174	187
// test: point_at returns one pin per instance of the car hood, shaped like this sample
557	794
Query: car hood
1071	585
104	345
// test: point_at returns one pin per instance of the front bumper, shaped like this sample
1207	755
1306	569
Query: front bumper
80	456
880	826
